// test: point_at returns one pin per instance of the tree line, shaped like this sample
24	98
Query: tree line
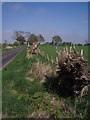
22	37
27	37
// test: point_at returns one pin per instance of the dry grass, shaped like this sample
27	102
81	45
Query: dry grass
41	70
39	114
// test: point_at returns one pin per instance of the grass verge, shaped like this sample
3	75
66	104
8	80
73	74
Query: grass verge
22	97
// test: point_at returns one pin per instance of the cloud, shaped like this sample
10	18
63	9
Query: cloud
17	6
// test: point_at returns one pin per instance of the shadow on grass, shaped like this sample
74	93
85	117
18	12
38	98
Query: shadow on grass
64	85
52	84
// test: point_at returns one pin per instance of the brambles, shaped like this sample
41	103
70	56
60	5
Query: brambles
45	105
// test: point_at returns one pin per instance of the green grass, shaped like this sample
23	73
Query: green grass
14	78
51	50
4	49
22	97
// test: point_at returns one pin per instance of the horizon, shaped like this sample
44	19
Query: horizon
68	20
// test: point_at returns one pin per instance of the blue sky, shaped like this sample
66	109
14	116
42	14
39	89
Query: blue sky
69	20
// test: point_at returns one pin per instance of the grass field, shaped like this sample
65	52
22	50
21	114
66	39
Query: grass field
22	97
51	50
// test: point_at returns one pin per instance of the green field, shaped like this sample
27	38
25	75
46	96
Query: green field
51	50
22	97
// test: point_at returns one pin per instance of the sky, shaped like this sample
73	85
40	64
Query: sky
68	20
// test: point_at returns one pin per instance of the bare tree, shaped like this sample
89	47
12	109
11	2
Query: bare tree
41	38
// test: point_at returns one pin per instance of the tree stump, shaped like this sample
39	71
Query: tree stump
73	72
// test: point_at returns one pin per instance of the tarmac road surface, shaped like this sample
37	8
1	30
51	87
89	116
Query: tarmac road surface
8	56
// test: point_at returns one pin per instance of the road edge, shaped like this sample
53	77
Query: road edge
11	59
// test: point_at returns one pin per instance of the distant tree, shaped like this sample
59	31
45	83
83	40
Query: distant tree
47	43
56	39
5	42
32	38
16	35
16	43
67	43
79	44
40	38
11	45
27	34
21	39
19	36
86	41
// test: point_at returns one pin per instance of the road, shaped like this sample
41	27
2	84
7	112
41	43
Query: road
7	56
